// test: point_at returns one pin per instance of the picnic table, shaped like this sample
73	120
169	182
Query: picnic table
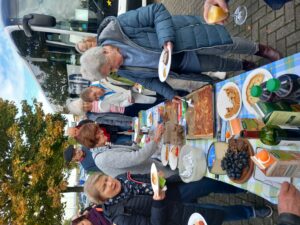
265	189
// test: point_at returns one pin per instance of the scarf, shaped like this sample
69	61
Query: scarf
107	91
130	188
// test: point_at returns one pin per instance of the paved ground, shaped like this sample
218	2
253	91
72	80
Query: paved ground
279	29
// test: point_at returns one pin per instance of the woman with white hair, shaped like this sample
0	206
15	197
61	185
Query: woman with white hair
130	200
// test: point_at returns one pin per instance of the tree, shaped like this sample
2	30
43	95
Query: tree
32	172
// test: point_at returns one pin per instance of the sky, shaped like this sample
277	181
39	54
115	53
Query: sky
17	82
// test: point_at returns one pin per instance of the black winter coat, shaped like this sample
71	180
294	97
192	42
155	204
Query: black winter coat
143	210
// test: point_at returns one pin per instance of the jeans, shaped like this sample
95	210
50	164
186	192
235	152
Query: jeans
233	212
123	139
210	60
189	192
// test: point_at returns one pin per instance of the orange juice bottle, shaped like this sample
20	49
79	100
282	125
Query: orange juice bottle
216	14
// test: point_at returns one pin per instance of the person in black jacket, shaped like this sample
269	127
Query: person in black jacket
289	205
130	200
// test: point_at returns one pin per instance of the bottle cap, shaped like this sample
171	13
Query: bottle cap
273	84
256	91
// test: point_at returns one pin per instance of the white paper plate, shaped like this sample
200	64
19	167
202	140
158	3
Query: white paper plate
162	66
136	129
150	119
154	178
267	76
165	158
173	159
196	217
223	102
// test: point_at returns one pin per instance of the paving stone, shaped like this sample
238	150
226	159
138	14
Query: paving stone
263	35
268	18
281	46
279	12
261	3
293	38
253	8
297	17
255	32
275	24
259	14
272	39
290	11
291	50
285	30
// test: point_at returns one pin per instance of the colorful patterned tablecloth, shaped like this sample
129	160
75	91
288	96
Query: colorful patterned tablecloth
267	190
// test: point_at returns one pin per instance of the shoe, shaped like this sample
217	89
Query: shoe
263	212
268	53
248	65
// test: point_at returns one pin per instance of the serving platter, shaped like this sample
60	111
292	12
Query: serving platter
255	77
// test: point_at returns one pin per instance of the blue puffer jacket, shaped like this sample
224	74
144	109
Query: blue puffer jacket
149	28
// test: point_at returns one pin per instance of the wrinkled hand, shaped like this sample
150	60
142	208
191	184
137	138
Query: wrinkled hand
159	195
176	99
208	3
161	174
168	46
159	132
289	199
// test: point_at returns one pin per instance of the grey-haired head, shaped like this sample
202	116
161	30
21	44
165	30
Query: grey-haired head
91	62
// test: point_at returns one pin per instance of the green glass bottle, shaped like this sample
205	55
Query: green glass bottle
272	135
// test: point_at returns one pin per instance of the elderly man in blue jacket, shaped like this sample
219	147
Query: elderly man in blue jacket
132	44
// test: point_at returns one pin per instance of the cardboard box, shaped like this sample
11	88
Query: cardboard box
238	124
279	163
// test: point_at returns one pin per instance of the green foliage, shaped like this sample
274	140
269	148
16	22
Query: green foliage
32	165
67	222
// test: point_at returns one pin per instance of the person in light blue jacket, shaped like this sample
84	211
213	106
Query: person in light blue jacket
132	44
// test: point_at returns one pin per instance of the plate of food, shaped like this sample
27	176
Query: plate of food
196	219
157	182
173	156
229	101
165	154
150	119
237	163
164	65
256	77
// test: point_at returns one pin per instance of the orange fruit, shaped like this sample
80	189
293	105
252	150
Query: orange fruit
216	14
227	134
263	155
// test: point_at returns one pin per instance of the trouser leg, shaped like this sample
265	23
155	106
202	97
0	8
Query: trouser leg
143	99
233	212
239	46
123	140
217	63
189	192
134	109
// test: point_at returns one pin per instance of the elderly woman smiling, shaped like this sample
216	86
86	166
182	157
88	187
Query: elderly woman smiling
130	200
